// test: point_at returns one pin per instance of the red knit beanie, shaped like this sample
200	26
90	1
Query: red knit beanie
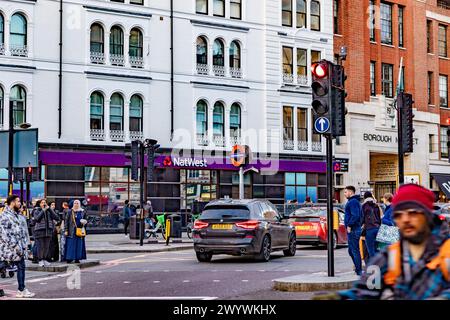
413	196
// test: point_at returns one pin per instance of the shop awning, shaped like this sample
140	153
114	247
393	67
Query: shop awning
443	180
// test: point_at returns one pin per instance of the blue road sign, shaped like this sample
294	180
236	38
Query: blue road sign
322	125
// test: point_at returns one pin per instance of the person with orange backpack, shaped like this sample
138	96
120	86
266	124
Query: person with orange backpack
415	268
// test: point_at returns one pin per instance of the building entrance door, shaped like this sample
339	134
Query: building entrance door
382	187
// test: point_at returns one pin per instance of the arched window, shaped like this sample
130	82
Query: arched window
116	46
18	97
1	107
202	118
235	55
218	120
116	112
202	51
315	15
18	35
218	53
2	33
97	111
97	43
136	118
136	43
235	120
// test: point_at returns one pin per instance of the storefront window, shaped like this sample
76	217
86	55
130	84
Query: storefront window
302	185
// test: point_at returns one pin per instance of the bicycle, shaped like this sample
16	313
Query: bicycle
190	226
160	224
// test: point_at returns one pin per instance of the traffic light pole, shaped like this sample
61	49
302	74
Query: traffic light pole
330	197
141	181
401	164
10	149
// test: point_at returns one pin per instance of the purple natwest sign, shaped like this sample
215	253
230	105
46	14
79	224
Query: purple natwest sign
179	162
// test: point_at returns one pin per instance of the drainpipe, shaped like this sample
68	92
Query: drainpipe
171	73
60	68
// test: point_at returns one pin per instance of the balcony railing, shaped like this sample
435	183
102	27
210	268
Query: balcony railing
288	145
302	80
202	140
117	135
97	134
219	141
302	146
236	72
2	48
202	68
219	71
317	146
117	59
97	57
136	135
235	140
288	78
136	62
18	50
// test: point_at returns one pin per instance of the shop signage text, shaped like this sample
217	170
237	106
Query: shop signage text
189	162
383	138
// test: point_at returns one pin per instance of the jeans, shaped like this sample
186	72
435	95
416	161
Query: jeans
353	249
21	274
127	223
371	243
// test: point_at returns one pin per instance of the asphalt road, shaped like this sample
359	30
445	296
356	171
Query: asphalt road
178	275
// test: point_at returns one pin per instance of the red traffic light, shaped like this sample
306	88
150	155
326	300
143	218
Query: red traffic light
320	70
448	121
30	170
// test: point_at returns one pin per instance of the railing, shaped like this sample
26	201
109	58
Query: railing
288	78
136	135
97	134
302	145
288	145
219	141
302	80
202	140
236	72
202	68
235	140
219	71
117	135
317	146
2	48
97	57
18	50
117	59
136	62
444	4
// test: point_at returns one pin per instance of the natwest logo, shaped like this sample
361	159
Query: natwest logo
185	162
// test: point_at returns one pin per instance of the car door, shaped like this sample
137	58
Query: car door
274	225
342	231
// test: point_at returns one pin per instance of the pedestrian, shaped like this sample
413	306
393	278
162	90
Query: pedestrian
75	223
43	231
126	216
353	222
371	223
32	224
62	241
54	243
416	267
308	201
14	240
387	217
388	232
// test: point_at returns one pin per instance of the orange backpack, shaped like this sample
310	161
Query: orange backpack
442	260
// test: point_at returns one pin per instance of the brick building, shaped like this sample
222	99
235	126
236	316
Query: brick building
377	35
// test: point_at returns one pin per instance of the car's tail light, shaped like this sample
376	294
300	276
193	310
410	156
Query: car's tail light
198	225
323	222
248	225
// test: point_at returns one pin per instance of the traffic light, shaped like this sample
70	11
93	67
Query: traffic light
405	102
29	174
321	94
132	153
151	152
17	175
338	111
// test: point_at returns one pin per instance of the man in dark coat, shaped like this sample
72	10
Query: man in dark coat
353	221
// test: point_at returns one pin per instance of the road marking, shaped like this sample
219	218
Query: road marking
166	270
186	281
238	270
98	271
156	281
244	280
99	282
43	283
216	280
146	271
286	270
262	270
126	282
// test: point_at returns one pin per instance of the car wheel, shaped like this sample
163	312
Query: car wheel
335	243
290	252
266	249
204	257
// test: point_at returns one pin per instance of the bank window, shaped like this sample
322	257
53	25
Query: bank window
301	13
315	15
387	80
302	185
442	41
386	23
287	13
288	126
444	140
219	8
373	91
301	65
401	11
288	64
429	36
372	20
443	91
430	87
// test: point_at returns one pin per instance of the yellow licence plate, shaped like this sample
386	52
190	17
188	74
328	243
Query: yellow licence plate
222	226
305	228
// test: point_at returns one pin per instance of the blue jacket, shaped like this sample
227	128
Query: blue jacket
126	212
353	213
387	218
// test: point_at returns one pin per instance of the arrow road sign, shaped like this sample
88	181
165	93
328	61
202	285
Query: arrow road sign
322	125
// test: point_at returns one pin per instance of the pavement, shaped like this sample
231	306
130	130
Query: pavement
315	282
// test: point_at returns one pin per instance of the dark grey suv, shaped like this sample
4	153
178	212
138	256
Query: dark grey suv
242	227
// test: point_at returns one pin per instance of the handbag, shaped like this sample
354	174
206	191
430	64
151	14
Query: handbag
388	234
79	232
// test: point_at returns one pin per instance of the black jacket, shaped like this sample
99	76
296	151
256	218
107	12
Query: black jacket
44	220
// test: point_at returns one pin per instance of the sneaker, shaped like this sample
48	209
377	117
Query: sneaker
47	264
2	293
41	263
77	261
24	294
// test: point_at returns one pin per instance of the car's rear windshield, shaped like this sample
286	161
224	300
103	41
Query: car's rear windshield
225	212
309	212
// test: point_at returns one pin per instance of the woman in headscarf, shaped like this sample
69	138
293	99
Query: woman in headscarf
75	244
